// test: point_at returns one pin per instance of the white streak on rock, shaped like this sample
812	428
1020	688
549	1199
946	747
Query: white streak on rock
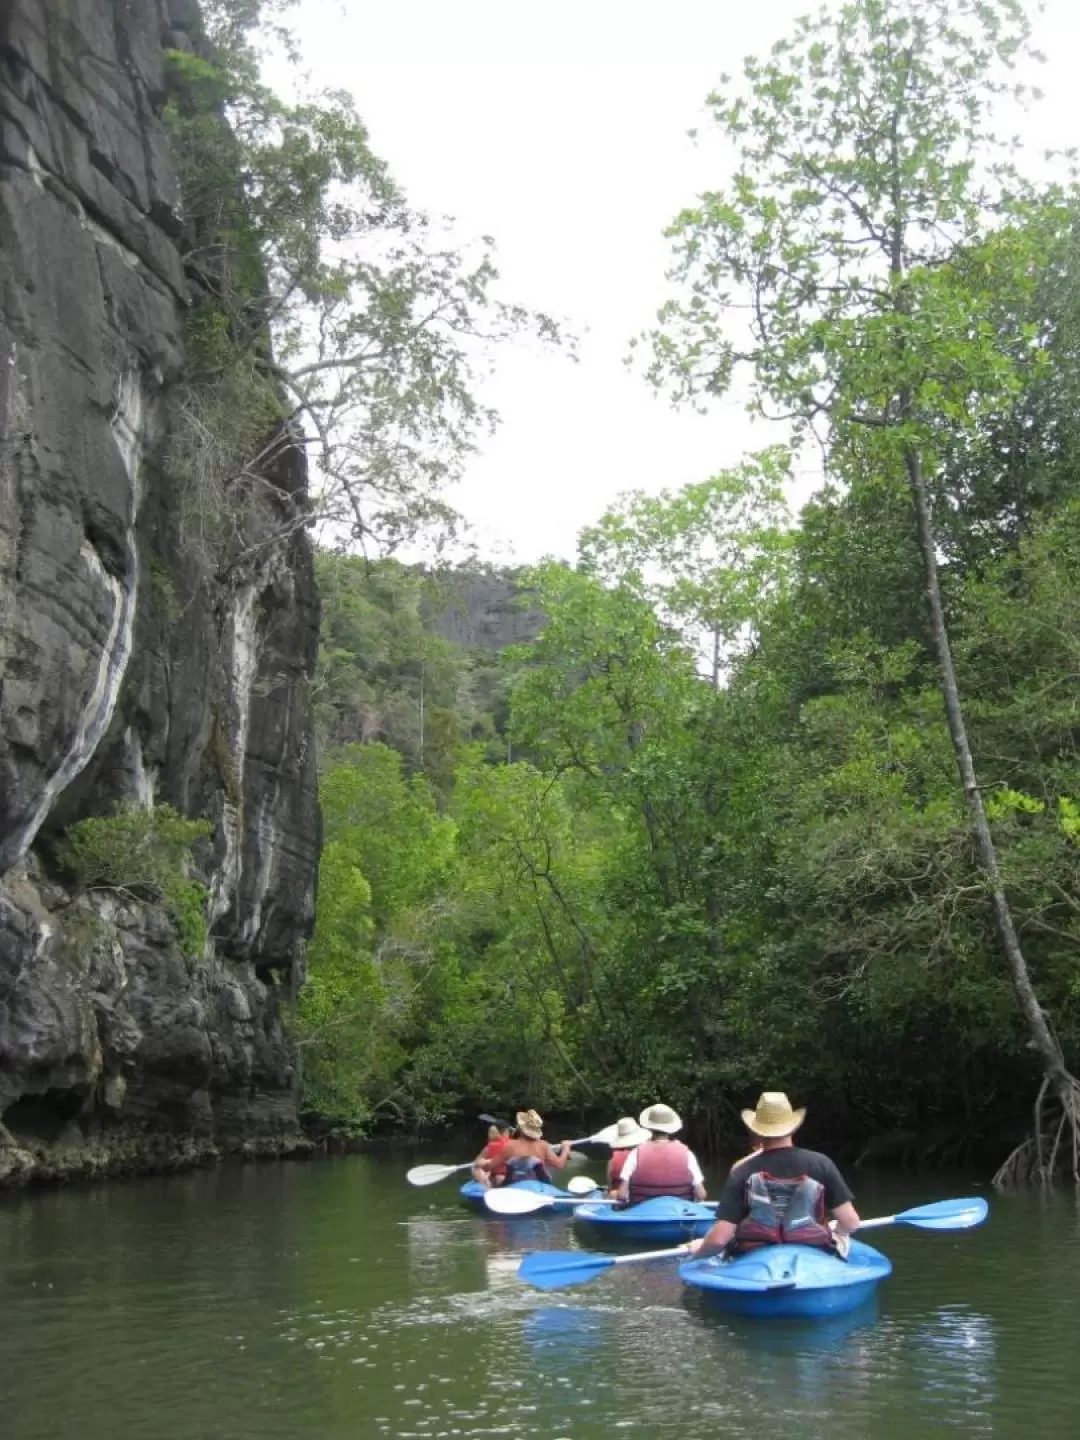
128	425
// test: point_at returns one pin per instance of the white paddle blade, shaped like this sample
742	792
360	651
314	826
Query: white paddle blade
512	1201
432	1174
581	1185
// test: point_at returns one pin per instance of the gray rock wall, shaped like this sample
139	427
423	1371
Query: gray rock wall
128	672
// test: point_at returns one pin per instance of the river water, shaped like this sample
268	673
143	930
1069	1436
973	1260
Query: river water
330	1301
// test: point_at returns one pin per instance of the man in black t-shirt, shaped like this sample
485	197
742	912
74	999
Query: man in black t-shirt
774	1122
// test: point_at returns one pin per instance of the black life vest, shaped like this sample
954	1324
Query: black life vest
783	1212
526	1167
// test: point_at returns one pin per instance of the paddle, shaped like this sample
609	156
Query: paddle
513	1200
582	1185
552	1269
942	1215
432	1174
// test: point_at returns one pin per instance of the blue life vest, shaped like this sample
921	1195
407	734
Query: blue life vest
526	1167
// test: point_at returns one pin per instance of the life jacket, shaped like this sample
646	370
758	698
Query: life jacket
783	1212
615	1167
661	1169
491	1151
526	1167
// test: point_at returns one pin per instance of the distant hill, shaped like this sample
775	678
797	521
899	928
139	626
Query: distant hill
411	657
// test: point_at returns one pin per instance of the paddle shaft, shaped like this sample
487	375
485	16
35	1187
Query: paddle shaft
640	1255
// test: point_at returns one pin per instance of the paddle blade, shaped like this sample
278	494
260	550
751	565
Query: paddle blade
555	1269
514	1201
947	1214
582	1185
432	1174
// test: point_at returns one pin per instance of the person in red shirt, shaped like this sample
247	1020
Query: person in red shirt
487	1167
628	1135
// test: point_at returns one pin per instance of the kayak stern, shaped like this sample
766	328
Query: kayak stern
786	1281
663	1220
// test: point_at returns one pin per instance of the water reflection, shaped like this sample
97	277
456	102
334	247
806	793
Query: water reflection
954	1354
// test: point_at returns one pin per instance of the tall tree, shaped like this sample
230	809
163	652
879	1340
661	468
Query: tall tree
870	191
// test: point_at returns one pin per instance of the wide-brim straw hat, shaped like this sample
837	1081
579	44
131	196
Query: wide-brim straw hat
660	1118
530	1124
774	1118
627	1134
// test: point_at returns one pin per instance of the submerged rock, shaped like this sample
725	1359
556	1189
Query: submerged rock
130	671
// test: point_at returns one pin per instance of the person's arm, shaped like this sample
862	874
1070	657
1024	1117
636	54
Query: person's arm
847	1218
557	1158
697	1177
629	1166
717	1239
481	1170
838	1200
729	1211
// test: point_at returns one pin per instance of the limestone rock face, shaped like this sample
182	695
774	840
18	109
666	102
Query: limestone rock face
130	672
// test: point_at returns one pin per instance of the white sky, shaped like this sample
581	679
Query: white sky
560	129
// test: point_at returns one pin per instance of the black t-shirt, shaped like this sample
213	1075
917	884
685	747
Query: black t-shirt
787	1163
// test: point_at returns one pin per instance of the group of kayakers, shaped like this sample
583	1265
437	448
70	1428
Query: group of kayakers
780	1193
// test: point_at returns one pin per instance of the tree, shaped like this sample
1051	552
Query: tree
870	190
329	314
709	557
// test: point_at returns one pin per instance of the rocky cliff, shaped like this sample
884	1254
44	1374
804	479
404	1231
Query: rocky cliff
130	672
484	609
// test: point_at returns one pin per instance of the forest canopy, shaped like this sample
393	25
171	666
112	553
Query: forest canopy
761	795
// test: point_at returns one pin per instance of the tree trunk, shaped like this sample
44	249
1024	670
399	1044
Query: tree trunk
1042	1039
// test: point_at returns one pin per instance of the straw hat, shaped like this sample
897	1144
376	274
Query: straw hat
661	1118
774	1118
627	1133
530	1124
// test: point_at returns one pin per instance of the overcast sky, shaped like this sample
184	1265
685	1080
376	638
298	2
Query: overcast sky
560	129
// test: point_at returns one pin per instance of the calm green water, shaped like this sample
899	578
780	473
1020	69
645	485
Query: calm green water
331	1301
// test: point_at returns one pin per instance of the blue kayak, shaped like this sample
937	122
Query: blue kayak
472	1194
663	1220
787	1280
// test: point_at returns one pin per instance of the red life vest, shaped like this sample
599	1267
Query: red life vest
615	1167
661	1169
491	1151
783	1212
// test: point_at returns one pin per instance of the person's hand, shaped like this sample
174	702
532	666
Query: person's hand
694	1246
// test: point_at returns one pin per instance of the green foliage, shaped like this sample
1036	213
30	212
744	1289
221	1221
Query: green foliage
695	889
146	853
385	673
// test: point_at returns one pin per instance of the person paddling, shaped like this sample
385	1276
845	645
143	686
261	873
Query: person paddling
628	1136
500	1133
782	1195
528	1156
660	1165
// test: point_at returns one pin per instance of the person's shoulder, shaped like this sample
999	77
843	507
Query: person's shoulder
818	1157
